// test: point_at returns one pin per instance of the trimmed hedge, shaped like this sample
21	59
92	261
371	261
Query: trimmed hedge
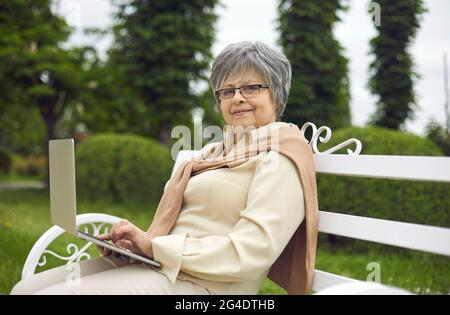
122	168
32	165
409	201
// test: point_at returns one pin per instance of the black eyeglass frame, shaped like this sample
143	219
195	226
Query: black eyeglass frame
260	86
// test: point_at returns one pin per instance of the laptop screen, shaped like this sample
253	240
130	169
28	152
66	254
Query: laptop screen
62	184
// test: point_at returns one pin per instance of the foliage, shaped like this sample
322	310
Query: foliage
162	47
122	168
21	131
35	70
409	201
392	76
32	165
5	161
320	85
439	136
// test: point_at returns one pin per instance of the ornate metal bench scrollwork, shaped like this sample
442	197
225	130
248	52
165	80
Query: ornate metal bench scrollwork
93	223
75	253
316	136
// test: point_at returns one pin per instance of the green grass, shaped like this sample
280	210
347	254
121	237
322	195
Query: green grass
19	178
25	215
418	272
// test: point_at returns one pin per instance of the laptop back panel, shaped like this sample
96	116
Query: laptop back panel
62	184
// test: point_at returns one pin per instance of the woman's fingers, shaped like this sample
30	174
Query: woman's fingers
112	234
125	244
123	234
103	237
125	231
106	252
101	249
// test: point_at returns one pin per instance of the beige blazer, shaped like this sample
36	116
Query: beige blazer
234	222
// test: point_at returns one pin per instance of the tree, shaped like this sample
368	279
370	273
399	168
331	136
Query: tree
320	86
20	131
110	104
161	48
35	72
439	135
392	76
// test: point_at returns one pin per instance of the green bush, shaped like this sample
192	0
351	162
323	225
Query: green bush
5	162
438	134
32	165
122	168
409	201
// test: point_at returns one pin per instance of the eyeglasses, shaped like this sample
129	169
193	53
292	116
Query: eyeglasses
246	91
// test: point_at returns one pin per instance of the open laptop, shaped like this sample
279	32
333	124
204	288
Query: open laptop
63	197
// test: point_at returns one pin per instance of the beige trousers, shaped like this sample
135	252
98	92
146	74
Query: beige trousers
105	275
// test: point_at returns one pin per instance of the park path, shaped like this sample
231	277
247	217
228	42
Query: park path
22	185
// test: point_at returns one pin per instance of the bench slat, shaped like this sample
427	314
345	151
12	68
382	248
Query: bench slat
323	280
407	235
385	166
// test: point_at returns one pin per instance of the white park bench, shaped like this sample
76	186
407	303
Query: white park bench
419	237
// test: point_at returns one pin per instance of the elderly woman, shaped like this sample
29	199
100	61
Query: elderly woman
243	210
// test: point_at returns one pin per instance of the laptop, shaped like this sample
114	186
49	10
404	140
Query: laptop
63	197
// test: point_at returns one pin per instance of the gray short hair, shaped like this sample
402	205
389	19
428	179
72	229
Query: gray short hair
244	56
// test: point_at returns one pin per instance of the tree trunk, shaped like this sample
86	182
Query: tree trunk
164	133
50	125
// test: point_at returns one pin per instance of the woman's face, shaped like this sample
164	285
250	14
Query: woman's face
255	111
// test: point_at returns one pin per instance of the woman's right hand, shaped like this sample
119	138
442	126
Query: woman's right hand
104	251
128	236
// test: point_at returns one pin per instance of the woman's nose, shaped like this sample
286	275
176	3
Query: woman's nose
238	98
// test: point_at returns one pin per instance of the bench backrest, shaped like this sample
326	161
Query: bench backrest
406	235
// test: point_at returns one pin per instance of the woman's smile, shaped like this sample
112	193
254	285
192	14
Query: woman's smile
242	113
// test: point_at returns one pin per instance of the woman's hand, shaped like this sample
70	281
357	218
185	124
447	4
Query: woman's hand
129	236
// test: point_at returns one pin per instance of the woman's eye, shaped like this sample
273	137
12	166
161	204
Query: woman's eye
227	92
251	88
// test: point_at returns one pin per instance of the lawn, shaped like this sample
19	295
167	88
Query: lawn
25	215
18	178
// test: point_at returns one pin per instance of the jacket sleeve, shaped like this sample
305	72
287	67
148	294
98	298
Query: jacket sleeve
274	210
